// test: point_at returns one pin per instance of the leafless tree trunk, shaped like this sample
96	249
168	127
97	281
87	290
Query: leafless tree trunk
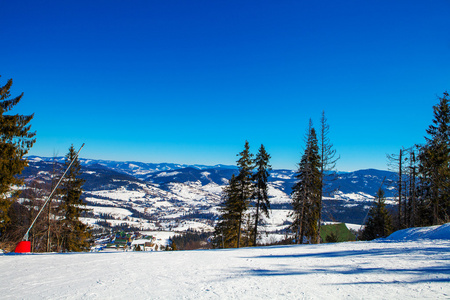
328	163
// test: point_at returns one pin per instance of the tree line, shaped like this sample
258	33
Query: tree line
423	181
246	200
58	228
423	188
236	226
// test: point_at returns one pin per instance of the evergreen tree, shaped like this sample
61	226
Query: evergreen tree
379	222
434	165
226	230
307	190
245	186
75	234
236	198
192	240
15	141
261	189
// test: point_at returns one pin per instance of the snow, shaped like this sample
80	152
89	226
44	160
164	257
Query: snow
276	195
355	227
188	225
165	174
115	211
410	264
280	176
213	188
34	159
206	174
433	232
162	237
119	194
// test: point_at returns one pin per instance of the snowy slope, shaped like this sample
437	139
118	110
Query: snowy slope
395	268
433	232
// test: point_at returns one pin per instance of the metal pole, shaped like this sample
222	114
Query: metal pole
25	237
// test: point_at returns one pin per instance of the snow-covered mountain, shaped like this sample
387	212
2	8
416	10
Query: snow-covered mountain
178	197
134	168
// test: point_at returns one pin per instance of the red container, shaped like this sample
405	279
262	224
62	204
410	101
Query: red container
23	247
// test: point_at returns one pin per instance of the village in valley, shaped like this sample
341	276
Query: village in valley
133	241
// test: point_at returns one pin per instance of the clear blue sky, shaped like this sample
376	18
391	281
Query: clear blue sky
190	81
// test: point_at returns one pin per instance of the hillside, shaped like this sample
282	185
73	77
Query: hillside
165	196
402	266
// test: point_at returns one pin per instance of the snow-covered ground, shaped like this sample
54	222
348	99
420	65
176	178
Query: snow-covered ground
410	264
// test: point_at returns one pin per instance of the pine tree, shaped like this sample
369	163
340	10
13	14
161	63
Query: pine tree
434	165
226	230
379	222
245	186
261	189
15	141
236	198
307	190
75	234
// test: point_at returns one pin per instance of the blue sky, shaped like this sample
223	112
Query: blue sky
190	81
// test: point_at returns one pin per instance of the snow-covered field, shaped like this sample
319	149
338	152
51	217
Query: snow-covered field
412	264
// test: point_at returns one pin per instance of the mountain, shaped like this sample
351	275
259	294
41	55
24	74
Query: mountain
136	169
178	197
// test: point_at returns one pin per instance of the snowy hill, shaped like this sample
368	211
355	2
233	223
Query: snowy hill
165	196
413	234
398	267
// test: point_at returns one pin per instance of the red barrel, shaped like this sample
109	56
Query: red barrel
23	247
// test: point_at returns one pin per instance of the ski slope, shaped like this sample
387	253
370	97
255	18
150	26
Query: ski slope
408	265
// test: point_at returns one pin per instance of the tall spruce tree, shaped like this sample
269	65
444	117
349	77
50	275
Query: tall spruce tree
379	222
245	185
260	179
15	141
226	230
434	166
75	234
307	190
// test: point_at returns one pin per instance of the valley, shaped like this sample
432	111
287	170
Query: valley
173	197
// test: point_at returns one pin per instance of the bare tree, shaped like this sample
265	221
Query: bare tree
328	161
396	163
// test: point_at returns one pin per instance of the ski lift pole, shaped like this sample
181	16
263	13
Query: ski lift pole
25	237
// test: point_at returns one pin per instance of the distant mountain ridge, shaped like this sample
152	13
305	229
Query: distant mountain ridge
367	180
134	168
